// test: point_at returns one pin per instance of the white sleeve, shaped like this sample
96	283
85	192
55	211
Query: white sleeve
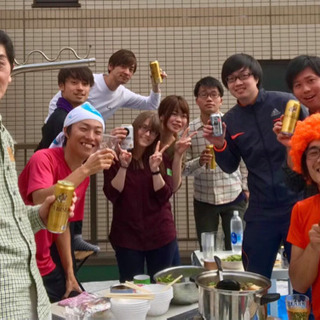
137	101
53	105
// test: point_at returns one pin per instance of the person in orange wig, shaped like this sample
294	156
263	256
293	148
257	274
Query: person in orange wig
304	230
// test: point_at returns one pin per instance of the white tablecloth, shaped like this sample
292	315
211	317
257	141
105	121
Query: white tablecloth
173	310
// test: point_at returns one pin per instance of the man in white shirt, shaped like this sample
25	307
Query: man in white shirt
108	92
216	193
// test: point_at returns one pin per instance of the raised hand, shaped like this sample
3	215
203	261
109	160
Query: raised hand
45	207
155	86
120	133
100	160
156	159
282	138
125	157
163	74
218	142
184	142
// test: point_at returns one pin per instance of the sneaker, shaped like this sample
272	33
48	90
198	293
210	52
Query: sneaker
81	245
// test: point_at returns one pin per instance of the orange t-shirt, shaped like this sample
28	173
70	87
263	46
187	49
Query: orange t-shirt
305	213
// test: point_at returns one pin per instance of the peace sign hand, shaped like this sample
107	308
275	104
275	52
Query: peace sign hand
156	159
125	157
184	142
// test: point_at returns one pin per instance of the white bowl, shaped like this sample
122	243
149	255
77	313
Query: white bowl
232	265
161	302
137	309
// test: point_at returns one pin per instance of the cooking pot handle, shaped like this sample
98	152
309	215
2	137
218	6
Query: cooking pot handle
269	297
192	278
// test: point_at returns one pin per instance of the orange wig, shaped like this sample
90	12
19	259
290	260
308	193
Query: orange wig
305	132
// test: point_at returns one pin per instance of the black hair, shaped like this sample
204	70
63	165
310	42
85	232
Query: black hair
123	57
209	82
79	73
68	132
239	61
300	63
8	45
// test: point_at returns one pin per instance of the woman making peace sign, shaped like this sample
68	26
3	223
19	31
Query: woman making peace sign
139	187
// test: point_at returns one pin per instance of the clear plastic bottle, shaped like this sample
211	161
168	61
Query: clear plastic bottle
236	228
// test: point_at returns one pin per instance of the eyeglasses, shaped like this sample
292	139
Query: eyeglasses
206	95
313	153
144	129
241	76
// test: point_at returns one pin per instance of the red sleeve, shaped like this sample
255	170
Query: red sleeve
38	174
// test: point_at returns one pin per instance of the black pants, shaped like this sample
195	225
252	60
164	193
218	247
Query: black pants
132	262
207	218
55	282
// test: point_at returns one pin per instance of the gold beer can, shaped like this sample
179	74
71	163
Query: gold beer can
59	210
291	117
212	164
155	71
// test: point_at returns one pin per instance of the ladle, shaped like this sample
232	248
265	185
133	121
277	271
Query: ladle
225	284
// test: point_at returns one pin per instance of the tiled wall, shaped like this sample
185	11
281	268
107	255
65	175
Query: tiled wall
191	39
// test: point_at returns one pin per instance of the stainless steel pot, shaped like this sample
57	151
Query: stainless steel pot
217	304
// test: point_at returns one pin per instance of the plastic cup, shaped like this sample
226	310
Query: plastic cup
109	141
141	279
208	244
298	307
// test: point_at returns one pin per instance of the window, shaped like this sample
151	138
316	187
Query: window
55	3
274	72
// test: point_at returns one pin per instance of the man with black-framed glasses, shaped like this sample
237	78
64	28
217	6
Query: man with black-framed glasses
216	193
248	135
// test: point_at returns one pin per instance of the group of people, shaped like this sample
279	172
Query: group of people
252	155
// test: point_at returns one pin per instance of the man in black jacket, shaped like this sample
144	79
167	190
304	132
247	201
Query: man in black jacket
248	135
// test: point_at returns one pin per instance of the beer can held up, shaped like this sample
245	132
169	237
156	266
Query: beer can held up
155	71
216	123
291	117
59	210
128	142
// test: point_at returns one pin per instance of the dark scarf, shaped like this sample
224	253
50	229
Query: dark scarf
64	104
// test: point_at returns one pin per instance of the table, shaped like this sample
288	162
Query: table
58	311
278	273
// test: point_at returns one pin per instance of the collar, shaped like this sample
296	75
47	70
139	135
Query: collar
260	98
64	104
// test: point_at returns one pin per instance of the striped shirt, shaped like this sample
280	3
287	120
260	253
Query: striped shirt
19	275
212	186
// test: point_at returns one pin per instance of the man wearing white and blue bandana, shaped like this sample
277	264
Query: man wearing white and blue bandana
74	156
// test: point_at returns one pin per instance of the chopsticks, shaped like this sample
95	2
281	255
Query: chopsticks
134	286
140	296
172	283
